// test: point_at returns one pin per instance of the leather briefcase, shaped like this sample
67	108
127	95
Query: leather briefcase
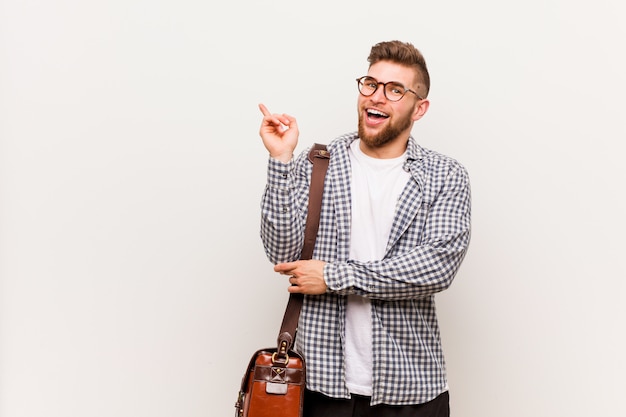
273	385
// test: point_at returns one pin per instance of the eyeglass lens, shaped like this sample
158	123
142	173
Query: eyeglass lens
393	91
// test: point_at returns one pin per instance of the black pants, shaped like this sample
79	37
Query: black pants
318	405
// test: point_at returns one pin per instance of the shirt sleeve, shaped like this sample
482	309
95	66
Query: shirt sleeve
283	208
424	268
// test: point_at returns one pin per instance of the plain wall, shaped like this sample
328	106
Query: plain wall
133	281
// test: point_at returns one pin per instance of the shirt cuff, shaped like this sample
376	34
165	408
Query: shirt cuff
338	277
278	173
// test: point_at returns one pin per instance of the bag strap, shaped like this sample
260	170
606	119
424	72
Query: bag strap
319	157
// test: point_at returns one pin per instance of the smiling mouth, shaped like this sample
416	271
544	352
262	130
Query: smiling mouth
376	114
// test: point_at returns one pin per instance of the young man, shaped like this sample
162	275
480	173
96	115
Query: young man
395	226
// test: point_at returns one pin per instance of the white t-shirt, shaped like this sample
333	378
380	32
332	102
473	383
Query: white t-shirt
376	187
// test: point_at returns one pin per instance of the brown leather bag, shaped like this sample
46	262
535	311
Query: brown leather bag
273	384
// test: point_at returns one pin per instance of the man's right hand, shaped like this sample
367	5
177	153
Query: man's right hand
279	133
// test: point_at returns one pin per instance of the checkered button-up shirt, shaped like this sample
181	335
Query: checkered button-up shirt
429	238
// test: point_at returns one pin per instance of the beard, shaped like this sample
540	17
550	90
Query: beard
389	133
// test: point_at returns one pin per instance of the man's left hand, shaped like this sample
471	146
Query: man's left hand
305	276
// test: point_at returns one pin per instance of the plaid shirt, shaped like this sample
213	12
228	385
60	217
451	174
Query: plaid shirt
428	241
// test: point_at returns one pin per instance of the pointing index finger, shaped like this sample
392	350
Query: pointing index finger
264	110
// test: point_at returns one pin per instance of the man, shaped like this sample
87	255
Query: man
395	226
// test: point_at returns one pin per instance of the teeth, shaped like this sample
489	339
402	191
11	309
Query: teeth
376	113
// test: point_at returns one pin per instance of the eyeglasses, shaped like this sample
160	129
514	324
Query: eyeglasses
393	90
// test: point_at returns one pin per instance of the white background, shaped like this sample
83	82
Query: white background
132	278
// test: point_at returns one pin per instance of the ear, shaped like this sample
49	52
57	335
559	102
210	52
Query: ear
421	107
